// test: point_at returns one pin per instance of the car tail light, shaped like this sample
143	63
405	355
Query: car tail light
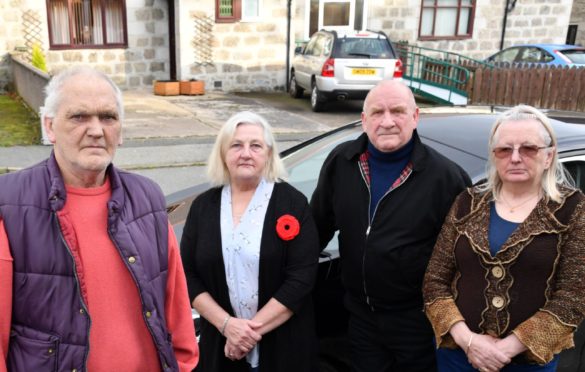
328	68
563	57
398	71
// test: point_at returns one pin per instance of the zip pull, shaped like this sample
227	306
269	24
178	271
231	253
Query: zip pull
368	230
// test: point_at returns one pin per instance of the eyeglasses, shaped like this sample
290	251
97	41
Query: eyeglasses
528	151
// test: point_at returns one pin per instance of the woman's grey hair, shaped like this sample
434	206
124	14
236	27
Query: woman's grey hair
217	170
54	90
552	178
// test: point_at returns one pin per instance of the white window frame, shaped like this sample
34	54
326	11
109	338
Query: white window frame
337	28
257	18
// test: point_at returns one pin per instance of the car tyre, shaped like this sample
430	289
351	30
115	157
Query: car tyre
317	99
294	90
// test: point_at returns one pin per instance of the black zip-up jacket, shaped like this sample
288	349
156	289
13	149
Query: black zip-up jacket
383	261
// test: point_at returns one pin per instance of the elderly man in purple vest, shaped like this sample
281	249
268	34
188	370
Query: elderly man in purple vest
91	277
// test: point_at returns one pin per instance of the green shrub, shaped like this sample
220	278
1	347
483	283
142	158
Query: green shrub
38	58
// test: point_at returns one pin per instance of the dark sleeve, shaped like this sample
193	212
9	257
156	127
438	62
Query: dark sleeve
322	203
302	260
189	249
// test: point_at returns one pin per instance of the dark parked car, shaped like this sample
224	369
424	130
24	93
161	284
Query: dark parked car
462	138
340	66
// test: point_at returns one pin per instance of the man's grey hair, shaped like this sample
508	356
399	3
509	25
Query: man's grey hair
54	90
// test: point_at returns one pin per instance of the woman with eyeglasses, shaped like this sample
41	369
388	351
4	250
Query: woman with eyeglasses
505	287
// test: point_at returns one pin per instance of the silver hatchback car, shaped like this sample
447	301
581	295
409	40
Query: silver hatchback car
339	66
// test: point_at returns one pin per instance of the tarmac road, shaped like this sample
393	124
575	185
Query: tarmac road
168	139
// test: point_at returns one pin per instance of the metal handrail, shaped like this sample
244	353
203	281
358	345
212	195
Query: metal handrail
442	55
446	70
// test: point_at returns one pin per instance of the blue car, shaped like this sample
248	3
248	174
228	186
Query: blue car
542	54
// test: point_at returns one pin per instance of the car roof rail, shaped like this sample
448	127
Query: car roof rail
330	31
379	32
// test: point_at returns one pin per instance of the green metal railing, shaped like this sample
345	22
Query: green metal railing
446	70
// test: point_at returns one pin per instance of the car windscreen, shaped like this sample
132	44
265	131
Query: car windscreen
370	48
576	56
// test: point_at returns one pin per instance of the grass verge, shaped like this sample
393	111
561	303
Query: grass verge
19	125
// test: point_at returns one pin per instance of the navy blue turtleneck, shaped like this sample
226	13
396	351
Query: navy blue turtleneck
385	168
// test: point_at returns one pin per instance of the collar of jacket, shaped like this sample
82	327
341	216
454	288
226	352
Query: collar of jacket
475	226
58	193
360	145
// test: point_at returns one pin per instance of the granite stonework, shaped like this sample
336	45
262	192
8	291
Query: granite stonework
578	19
531	21
144	60
248	55
251	54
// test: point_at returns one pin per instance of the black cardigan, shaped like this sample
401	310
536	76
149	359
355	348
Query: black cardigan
287	273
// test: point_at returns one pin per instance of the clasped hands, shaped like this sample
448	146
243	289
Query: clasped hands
490	354
241	337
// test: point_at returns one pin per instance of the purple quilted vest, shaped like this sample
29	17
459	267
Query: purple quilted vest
50	322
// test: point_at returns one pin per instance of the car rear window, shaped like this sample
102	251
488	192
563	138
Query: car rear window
349	47
576	56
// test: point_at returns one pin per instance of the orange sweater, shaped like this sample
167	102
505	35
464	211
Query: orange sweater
119	339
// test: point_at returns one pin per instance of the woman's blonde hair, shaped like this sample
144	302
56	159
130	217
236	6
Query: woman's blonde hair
217	170
552	178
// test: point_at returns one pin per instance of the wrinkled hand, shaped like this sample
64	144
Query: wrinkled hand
233	353
484	354
242	334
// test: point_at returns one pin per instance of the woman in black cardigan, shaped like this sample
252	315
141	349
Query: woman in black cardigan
250	252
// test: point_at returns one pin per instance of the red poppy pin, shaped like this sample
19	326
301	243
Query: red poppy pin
287	227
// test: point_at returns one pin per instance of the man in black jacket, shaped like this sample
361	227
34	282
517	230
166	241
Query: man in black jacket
387	194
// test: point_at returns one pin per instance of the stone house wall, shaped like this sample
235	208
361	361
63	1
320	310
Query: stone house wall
11	36
145	59
578	18
531	21
241	56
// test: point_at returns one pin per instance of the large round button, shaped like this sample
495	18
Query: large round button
131	259
497	271
498	302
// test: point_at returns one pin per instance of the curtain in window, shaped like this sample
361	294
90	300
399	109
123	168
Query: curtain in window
439	17
114	21
93	22
97	29
59	16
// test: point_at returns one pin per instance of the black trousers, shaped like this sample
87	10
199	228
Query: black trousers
389	341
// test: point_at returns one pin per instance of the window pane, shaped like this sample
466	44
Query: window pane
250	9
226	8
426	28
463	22
428	2
98	31
114	21
82	20
445	23
336	14
531	55
448	3
507	56
466	2
59	15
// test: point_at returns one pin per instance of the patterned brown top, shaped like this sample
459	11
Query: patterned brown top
534	286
